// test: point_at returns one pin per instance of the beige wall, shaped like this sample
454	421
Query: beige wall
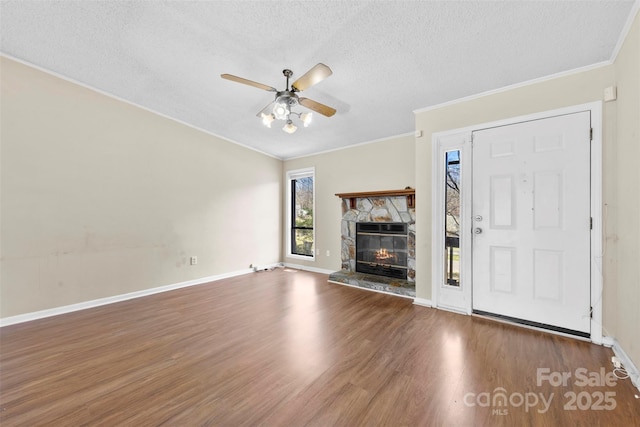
382	165
101	198
622	175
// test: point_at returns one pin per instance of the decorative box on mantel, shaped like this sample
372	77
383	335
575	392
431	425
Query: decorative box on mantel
392	206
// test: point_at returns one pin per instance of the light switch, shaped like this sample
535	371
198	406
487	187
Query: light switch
610	93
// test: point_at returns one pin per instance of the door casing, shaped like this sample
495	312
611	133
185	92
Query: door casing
460	300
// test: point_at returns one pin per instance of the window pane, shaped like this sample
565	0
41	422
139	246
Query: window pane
302	216
303	202
303	242
452	219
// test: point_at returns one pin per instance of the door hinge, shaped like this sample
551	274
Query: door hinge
591	312
591	134
591	223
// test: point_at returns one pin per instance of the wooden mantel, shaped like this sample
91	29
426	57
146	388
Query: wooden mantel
352	197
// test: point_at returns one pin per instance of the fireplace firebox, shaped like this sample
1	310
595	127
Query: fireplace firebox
381	248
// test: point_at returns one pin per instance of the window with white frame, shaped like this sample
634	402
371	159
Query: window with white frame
451	266
301	212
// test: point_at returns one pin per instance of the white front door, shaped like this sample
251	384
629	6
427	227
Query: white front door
531	221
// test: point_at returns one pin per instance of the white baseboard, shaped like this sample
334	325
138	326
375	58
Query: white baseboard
307	268
423	302
608	341
627	363
21	318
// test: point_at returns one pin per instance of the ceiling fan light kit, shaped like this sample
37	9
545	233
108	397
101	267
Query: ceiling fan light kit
267	119
306	119
280	108
289	127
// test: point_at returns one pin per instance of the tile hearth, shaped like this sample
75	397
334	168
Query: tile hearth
376	283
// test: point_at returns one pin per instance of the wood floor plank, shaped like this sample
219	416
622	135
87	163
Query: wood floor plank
287	348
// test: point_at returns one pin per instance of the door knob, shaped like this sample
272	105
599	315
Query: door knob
478	218
477	230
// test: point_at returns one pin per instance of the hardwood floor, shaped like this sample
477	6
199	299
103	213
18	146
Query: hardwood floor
286	348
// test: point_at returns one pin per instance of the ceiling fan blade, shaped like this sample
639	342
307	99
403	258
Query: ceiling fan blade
315	75
317	107
266	110
247	82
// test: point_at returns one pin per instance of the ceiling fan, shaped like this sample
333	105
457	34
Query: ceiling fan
280	108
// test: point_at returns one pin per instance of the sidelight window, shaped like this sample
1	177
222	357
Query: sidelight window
452	218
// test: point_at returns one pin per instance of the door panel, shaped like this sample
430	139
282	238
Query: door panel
531	210
547	200
502	269
502	202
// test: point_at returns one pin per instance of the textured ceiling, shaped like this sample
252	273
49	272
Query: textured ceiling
388	58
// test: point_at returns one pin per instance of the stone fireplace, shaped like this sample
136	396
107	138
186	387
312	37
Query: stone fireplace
384	222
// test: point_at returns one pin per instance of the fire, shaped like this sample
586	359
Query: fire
383	254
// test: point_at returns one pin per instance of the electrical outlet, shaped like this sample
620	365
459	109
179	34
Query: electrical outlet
328	252
616	362
193	260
